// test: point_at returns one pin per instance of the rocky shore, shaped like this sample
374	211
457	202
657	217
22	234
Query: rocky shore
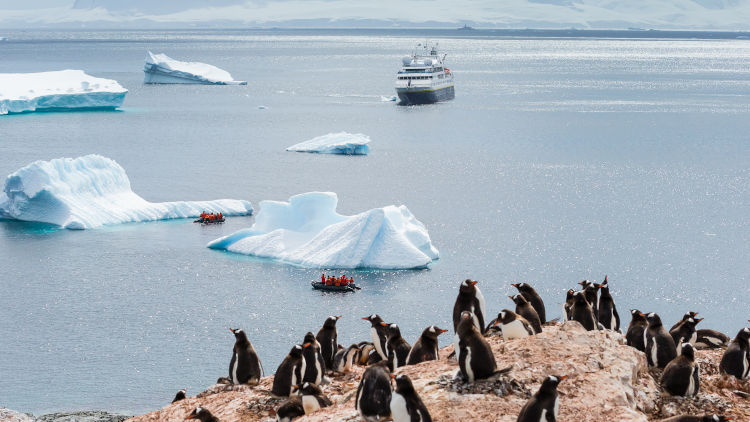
7	415
607	381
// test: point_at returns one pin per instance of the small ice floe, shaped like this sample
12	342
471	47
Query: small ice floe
161	69
386	99
343	143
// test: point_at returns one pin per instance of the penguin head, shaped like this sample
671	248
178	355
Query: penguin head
688	351
297	350
715	418
309	338
518	299
392	330
584	284
468	287
569	295
201	414
466	324
692	322
637	315
182	394
604	286
374	319
524	287
239	335
549	385
433	331
744	334
331	321
689	315
653	319
403	384
506	316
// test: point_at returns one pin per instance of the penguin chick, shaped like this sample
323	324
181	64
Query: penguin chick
313	398
374	393
426	346
397	348
735	359
582	312
685	333
475	357
680	376
570	299
180	395
524	308
513	325
635	334
534	299
245	366
291	409
203	415
704	418
590	291
365	348
660	347
710	339
406	405
345	359
684	317
544	405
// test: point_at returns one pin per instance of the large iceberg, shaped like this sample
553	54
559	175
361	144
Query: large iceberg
161	69
92	191
335	143
308	231
58	90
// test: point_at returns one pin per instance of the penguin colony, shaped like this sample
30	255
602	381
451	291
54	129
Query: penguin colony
309	363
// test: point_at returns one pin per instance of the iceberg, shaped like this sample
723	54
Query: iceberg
58	90
307	231
335	143
161	69
92	191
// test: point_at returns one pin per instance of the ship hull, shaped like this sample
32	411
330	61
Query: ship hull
409	96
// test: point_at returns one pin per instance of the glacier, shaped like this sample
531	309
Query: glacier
307	231
57	90
161	69
89	192
335	143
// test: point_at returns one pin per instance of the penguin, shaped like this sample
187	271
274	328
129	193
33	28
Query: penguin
704	418
426	346
346	359
735	359
374	393
710	339
180	395
475	358
660	347
315	367
365	348
470	299
684	317
680	376
534	299
582	312
406	405
378	335
397	348
202	414
607	313
291	409
685	333
245	366
524	308
312	398
591	291
513	325
570	299
544	405
328	339
290	372
635	334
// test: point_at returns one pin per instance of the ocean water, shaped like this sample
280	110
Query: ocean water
561	159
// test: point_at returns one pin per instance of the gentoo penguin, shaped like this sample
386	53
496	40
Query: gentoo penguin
374	393
590	290
704	418
470	299
680	377
685	332
582	312
313	398
545	404
291	409
345	359
378	335
534	299
290	372
365	348
684	317
426	346
406	405
328	339
660	347
570	299
513	325
180	395
735	359
202	414
710	339
635	335
475	358
397	348
607	316
245	367
315	367
524	308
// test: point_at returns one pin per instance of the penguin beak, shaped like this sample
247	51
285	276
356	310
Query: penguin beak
697	320
190	417
643	315
384	324
514	285
232	330
581	283
339	316
473	283
366	318
393	376
495	324
511	297
562	377
306	345
442	331
295	386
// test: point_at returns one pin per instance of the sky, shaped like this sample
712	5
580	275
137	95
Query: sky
583	14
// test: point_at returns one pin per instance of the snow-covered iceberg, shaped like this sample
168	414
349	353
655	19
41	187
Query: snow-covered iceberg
161	69
58	90
308	231
335	143
92	191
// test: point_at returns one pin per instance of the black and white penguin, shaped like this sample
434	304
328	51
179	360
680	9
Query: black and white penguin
544	405
315	367
245	366
685	333
180	395
660	347
378	334
635	334
475	358
406	405
704	418
710	339
365	348
374	393
328	339
524	308
591	291
534	299
582	312
470	299
290	372
570	299
397	348
345	359
312	398
680	376
607	316
684	317
735	359
513	325
426	346
202	414
290	410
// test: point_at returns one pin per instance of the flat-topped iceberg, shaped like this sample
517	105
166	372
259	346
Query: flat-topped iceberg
92	191
308	231
335	143
161	69
58	90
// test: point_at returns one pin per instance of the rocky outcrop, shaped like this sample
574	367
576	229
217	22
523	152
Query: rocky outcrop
7	415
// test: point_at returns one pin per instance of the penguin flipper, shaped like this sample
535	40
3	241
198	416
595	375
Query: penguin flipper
617	318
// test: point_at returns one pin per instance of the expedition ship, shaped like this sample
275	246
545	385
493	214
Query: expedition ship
423	79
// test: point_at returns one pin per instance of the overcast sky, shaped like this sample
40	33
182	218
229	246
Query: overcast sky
658	14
